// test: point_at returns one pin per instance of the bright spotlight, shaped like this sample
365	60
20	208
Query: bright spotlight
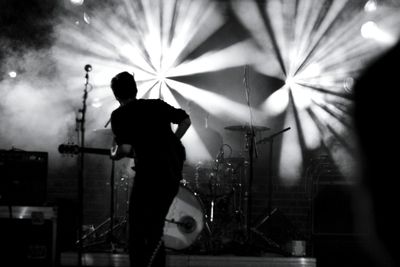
12	74
289	81
160	77
369	30
370	6
77	2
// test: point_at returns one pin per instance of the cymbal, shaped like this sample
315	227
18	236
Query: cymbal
246	128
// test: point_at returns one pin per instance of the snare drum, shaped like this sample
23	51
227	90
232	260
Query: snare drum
184	221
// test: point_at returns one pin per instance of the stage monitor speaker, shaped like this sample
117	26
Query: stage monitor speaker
23	177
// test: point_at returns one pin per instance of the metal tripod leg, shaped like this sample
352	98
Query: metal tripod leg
95	230
108	235
105	236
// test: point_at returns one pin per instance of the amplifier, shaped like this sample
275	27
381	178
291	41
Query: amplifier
28	236
23	178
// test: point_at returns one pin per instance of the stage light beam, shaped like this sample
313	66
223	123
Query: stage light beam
321	48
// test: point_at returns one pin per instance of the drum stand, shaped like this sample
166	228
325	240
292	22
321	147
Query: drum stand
107	236
224	211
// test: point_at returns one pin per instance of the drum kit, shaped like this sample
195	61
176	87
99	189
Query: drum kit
209	213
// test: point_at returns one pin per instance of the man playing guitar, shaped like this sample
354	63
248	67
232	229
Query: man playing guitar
142	129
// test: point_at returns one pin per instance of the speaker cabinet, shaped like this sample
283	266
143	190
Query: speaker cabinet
23	178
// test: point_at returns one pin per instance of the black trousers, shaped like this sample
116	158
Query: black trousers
151	196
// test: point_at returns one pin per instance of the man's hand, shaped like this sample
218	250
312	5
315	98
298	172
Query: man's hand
114	151
119	152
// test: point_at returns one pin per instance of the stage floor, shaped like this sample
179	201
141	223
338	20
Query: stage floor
69	259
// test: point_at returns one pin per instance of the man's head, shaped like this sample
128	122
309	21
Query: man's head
124	86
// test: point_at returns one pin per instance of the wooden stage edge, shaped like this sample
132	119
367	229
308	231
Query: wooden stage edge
69	259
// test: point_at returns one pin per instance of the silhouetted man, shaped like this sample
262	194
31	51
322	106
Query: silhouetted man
142	129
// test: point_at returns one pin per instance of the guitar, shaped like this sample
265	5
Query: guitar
72	149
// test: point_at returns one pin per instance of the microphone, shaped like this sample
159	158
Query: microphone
187	224
88	68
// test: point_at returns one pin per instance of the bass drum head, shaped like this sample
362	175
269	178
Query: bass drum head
184	221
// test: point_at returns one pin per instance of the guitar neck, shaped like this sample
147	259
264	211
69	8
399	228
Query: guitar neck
101	151
75	149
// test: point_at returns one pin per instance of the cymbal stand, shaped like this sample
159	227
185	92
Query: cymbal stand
273	245
250	144
111	236
270	140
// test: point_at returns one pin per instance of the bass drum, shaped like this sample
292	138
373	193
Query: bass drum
184	221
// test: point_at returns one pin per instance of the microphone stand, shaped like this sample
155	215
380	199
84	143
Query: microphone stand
81	165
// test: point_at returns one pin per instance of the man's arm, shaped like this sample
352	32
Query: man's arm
119	152
124	149
183	126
